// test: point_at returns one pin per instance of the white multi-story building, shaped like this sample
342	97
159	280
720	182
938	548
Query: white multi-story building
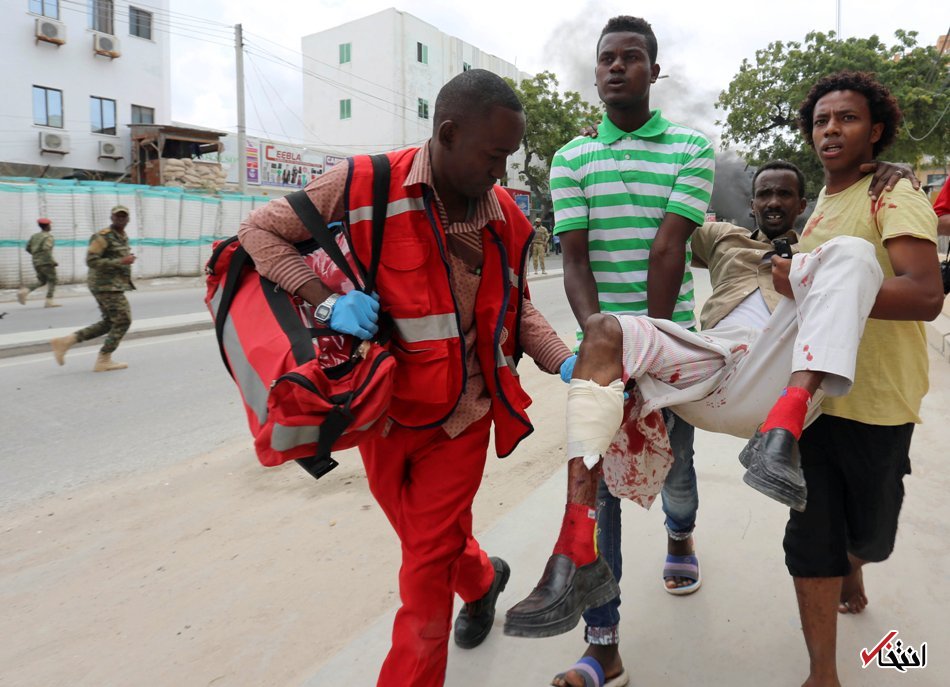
76	73
370	84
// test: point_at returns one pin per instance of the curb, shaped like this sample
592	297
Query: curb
147	328
938	335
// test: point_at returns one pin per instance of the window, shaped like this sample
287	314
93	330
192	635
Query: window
422	53
100	16
466	66
48	8
143	115
140	23
345	109
102	115
344	53
423	108
47	106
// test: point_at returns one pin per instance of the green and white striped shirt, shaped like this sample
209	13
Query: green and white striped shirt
619	187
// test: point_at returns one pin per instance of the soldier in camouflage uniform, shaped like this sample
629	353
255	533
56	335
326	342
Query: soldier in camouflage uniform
40	246
110	276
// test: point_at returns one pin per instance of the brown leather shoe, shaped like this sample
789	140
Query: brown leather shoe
563	594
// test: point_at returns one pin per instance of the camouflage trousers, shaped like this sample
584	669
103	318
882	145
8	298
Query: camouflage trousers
116	318
45	274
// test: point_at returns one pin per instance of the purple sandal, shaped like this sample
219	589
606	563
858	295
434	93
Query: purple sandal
682	566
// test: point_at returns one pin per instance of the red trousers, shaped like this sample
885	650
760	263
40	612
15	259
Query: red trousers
425	483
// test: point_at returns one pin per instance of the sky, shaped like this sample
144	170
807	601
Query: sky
701	46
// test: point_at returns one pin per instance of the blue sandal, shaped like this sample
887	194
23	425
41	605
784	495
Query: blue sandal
682	566
592	672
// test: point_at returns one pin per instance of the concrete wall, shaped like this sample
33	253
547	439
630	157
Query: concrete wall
171	231
139	76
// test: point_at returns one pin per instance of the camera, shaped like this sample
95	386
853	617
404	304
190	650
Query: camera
782	247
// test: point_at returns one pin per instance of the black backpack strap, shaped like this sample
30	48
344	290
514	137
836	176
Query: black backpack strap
381	175
332	429
301	204
239	260
339	419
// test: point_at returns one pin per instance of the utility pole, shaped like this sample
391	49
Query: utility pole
838	19
241	128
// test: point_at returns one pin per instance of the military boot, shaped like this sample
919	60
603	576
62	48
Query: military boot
61	345
104	363
51	304
21	294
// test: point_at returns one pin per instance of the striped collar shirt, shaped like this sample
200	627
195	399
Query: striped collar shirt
618	187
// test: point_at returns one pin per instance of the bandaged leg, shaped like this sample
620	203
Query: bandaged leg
594	414
575	578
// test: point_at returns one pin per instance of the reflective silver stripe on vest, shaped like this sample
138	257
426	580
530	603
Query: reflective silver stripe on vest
284	438
428	328
253	389
502	360
395	207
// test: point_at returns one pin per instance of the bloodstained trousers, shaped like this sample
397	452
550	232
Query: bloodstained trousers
425	483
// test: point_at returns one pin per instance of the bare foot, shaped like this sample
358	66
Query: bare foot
679	547
609	658
853	598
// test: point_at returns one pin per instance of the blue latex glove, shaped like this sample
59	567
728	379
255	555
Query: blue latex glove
356	313
567	369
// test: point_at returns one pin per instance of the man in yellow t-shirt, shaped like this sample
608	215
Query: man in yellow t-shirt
855	455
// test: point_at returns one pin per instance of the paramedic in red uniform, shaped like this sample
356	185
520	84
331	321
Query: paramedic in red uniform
452	278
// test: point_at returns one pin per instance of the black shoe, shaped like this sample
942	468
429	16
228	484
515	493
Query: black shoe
475	619
775	467
563	594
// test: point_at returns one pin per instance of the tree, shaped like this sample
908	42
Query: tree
553	119
762	101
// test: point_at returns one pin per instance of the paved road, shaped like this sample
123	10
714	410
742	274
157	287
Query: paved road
155	298
65	427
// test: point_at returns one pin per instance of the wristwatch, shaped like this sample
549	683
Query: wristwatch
323	311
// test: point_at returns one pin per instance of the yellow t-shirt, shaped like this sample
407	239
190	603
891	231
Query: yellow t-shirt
891	376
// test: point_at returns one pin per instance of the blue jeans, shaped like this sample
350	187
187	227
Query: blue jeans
680	503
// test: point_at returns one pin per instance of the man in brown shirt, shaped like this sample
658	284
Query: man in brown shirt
539	247
425	479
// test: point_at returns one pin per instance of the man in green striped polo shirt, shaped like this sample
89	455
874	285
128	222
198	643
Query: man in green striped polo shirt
626	203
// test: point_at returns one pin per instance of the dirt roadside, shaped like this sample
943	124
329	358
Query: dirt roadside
217	571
